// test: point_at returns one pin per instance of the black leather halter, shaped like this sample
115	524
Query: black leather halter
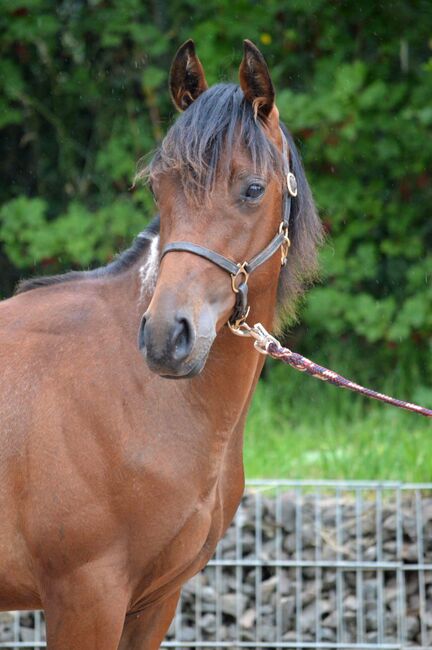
240	271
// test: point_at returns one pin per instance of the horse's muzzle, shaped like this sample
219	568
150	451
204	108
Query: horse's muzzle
169	346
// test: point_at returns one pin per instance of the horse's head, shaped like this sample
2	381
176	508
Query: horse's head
219	179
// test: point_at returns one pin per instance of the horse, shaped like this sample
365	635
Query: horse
123	391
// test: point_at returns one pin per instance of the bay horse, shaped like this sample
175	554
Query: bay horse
117	482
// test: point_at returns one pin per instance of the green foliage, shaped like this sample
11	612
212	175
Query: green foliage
83	237
83	96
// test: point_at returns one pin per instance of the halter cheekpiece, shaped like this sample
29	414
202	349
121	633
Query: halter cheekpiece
240	271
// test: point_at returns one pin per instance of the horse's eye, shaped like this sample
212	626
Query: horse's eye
254	191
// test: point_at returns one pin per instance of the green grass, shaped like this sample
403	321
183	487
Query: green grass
300	427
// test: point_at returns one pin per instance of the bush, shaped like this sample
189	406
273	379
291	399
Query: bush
83	96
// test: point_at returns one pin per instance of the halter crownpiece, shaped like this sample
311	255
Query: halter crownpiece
240	271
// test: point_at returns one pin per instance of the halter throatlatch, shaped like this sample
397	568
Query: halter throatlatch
241	271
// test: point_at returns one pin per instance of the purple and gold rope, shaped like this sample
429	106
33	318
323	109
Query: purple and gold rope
303	364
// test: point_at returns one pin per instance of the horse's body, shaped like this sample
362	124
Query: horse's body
115	482
102	462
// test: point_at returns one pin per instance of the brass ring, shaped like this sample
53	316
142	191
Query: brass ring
285	246
241	272
235	327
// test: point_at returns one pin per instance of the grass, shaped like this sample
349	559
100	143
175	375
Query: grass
300	427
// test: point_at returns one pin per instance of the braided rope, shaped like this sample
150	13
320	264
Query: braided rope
267	344
297	361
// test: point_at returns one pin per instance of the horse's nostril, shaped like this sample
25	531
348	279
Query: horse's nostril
182	339
141	334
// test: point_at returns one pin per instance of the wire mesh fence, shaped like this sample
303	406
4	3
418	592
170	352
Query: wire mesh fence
305	564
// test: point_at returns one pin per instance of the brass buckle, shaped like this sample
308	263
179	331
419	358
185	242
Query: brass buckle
241	272
285	246
240	327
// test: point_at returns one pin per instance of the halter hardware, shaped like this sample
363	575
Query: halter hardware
291	184
235	326
240	271
285	246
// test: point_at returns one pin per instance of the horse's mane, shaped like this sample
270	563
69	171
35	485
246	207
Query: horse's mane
122	262
306	235
199	146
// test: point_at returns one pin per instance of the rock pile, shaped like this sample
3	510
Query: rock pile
288	587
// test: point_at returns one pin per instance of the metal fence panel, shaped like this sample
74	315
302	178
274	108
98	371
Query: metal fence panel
305	564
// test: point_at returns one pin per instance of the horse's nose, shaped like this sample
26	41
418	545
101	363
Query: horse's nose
166	345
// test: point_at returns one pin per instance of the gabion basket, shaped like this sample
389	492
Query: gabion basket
305	564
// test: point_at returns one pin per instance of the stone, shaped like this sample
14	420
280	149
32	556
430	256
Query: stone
26	634
208	594
6	632
268	633
328	634
268	587
233	603
187	633
287	608
208	622
288	512
409	526
412	627
247	620
351	603
308	617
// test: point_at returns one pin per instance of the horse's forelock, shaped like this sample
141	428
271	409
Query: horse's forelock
201	143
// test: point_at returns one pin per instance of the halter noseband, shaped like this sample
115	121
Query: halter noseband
240	271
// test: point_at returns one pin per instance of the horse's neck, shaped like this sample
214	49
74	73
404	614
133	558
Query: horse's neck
233	367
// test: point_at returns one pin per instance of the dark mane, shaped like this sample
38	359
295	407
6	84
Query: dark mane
306	234
123	262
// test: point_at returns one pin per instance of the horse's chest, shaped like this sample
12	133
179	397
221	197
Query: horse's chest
183	497
199	534
192	532
187	541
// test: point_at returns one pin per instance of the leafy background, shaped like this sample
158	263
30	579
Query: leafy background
83	95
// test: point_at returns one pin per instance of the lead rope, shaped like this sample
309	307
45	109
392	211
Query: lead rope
268	345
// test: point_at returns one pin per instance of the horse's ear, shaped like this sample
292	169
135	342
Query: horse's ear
187	79
255	81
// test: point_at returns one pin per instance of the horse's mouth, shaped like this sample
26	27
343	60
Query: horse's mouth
188	373
192	373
